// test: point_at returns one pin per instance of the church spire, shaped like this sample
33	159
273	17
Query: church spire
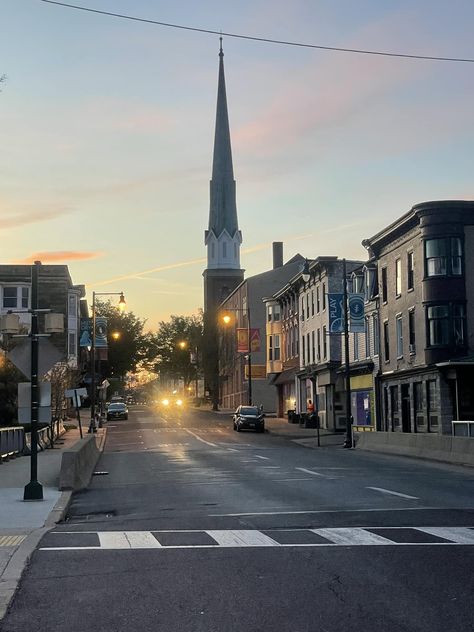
223	207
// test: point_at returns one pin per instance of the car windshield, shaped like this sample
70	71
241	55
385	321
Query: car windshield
117	407
249	410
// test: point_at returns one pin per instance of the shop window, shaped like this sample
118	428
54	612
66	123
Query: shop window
433	418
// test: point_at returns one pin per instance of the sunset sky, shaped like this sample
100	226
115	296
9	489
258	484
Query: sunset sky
106	133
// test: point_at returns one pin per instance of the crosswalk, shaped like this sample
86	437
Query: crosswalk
240	538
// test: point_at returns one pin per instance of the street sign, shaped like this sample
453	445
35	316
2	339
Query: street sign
24	402
48	353
75	394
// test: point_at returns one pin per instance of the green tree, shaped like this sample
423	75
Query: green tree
9	378
177	348
130	346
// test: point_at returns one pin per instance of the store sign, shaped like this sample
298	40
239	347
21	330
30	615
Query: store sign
259	372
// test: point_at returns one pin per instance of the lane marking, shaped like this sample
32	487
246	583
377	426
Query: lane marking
232	450
392	493
282	480
303	469
257	456
214	445
127	540
351	536
319	511
457	535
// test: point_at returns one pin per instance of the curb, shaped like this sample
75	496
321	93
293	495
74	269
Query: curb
11	576
13	571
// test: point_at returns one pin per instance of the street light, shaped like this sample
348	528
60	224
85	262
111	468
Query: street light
305	274
226	320
121	304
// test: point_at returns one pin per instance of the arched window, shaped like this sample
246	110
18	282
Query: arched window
224	249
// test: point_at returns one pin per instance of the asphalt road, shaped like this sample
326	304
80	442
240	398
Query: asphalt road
193	527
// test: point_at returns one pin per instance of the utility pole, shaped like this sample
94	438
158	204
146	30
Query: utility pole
34	490
348	439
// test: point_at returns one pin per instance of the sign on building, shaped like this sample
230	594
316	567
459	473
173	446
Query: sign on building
243	340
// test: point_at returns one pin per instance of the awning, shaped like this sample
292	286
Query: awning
285	377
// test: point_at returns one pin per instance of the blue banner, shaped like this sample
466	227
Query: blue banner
336	313
356	313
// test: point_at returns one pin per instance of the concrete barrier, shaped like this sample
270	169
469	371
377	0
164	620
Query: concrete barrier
79	461
458	450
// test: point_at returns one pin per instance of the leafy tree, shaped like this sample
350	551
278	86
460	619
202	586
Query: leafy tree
177	347
9	378
130	347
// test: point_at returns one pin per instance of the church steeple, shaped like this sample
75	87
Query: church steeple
223	237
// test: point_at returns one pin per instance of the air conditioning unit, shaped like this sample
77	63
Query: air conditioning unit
412	349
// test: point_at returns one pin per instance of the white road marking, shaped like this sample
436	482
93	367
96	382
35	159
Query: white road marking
282	480
392	493
351	537
303	469
232	450
214	445
318	511
271	467
113	540
257	456
458	535
242	538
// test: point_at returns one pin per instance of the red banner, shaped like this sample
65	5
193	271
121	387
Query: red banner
243	340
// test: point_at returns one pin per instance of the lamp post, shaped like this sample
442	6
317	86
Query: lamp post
122	303
348	439
226	318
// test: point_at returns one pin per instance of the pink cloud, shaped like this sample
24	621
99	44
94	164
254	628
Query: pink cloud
60	256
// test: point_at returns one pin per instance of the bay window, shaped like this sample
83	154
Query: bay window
443	257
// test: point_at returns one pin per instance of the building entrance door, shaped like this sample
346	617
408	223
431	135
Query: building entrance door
406	408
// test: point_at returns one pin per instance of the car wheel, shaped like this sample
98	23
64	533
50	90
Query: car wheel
238	428
126	416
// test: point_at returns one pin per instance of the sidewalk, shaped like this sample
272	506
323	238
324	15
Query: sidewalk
22	524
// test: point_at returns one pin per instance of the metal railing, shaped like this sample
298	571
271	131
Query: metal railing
46	436
463	428
12	442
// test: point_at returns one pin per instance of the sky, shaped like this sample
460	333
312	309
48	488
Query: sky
106	133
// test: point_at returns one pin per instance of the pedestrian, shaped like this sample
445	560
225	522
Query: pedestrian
310	407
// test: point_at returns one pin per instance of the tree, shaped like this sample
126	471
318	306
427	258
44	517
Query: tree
177	347
130	347
10	376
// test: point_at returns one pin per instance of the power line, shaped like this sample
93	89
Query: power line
266	40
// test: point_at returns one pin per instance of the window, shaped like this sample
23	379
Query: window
274	347
375	324
72	345
307	305
386	342
433	419
308	348
15	297
459	325
325	344
367	338
317	300
438	325
313	347
273	313
213	250
410	271
394	406
356	346
302	309
418	404
357	283
312	302
72	305
319	344
398	277
384	285
411	330
324	296
443	256
224	249
269	313
399	325
303	350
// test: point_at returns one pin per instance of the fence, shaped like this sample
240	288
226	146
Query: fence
46	436
463	428
12	442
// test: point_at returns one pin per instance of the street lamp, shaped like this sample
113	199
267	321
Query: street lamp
305	274
121	304
226	320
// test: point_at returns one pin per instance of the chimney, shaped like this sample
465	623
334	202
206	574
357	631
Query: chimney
277	254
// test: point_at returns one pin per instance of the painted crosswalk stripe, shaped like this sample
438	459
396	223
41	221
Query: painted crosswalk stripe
127	540
241	538
11	540
459	535
351	536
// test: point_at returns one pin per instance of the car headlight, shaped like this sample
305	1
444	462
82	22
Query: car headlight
165	402
179	402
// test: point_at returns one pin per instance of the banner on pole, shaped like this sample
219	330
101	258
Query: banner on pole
85	339
356	313
336	313
100	332
243	340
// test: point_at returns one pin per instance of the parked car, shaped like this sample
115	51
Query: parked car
117	410
250	417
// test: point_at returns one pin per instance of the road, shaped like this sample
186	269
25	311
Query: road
192	527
